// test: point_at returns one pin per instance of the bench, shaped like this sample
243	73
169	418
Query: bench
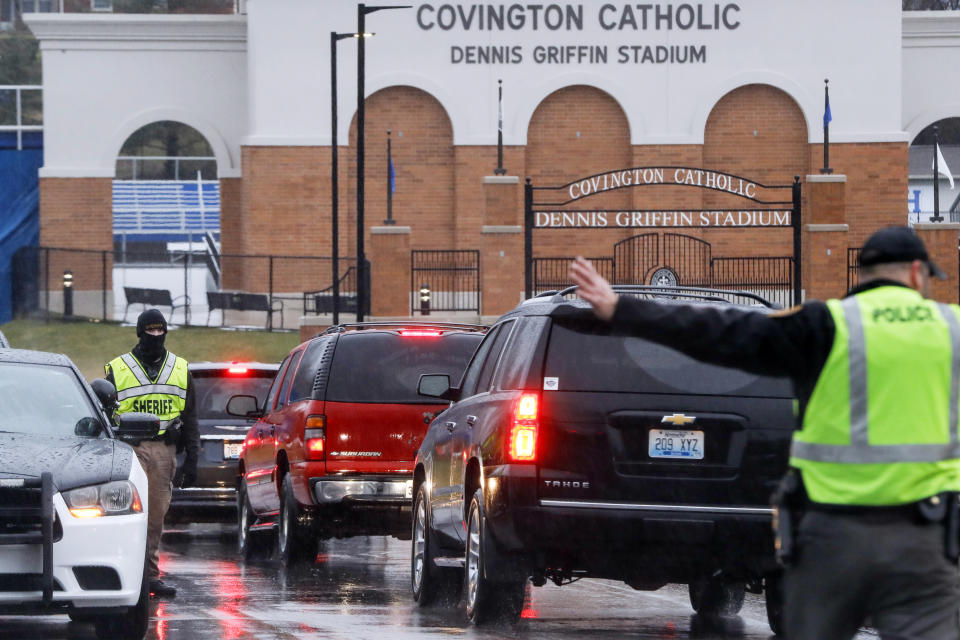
242	301
153	298
321	301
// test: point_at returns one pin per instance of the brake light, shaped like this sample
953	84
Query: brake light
237	371
419	333
313	437
523	435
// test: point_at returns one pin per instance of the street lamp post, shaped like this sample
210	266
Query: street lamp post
334	175
362	293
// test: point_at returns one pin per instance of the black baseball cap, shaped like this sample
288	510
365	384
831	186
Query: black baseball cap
897	244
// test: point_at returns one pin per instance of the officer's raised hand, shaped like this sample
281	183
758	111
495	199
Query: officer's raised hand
593	288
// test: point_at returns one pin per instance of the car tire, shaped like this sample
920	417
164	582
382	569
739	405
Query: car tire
773	594
249	544
131	625
429	583
716	596
487	600
294	542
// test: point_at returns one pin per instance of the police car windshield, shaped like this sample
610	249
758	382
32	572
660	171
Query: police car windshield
42	399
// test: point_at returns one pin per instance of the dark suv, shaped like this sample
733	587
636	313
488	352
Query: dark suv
214	496
572	452
332	452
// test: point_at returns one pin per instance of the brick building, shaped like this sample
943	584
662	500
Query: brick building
589	88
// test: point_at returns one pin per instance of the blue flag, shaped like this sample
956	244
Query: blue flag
826	110
393	178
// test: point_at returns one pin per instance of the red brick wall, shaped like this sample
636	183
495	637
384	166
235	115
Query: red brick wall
77	213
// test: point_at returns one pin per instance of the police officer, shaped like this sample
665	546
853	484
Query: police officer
877	375
153	380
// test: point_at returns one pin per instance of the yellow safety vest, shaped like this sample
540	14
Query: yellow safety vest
881	427
165	397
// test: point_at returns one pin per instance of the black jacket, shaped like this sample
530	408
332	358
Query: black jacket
793	343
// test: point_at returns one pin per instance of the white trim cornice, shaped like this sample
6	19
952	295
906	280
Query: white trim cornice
930	29
85	31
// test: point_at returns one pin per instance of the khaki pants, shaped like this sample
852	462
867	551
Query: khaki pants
159	462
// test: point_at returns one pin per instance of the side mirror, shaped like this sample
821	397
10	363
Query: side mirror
87	427
244	407
437	385
106	393
134	427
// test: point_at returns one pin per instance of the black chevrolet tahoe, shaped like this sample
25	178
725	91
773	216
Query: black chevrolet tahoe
568	451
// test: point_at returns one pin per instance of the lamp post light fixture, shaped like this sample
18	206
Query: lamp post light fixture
67	293
425	299
362	279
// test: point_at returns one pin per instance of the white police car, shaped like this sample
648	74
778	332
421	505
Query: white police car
73	499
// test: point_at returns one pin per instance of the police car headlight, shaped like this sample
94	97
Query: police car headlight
109	499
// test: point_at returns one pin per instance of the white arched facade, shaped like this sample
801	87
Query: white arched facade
262	79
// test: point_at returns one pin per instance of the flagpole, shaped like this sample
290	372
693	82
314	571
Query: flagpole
827	117
936	175
500	170
390	179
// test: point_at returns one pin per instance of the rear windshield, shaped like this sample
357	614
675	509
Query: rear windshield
385	367
590	359
215	388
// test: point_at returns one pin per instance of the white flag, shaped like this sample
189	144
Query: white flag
942	165
500	112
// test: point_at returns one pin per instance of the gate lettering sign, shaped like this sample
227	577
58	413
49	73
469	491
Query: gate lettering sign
640	219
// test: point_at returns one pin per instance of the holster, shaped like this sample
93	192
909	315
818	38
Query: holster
172	434
949	514
788	503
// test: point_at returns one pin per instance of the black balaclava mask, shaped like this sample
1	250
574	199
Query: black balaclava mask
151	347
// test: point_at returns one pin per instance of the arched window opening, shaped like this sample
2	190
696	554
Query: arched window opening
166	150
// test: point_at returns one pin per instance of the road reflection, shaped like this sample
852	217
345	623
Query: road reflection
358	589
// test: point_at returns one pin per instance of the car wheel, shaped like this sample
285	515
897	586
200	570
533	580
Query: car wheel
249	544
131	625
773	594
487	600
716	596
294	543
429	582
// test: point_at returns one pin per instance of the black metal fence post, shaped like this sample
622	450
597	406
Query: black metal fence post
528	239
270	311
796	219
103	278
46	283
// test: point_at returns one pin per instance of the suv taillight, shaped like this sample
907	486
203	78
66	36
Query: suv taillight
523	435
313	437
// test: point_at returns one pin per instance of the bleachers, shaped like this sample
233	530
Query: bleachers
165	207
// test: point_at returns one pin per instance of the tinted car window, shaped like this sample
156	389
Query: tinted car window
490	362
470	377
589	358
303	382
385	367
288	378
214	390
272	394
42	399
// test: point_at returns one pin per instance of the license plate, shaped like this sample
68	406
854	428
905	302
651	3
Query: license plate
231	450
670	443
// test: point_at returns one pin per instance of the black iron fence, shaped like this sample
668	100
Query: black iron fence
769	277
550	274
199	287
442	280
853	267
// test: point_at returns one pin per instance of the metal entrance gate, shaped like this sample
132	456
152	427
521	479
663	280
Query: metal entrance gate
669	258
450	280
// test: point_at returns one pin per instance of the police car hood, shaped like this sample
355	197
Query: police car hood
74	461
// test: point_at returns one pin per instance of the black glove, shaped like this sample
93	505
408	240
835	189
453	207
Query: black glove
186	475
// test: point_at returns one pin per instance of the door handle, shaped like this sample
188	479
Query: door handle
450	425
471	420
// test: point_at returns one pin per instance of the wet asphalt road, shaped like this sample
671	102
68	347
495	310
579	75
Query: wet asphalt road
358	589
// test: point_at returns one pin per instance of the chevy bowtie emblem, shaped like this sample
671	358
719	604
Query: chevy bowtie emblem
678	419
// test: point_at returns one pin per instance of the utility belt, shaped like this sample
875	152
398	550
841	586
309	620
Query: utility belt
172	433
790	502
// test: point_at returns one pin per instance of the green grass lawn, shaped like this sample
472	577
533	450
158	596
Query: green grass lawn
91	344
